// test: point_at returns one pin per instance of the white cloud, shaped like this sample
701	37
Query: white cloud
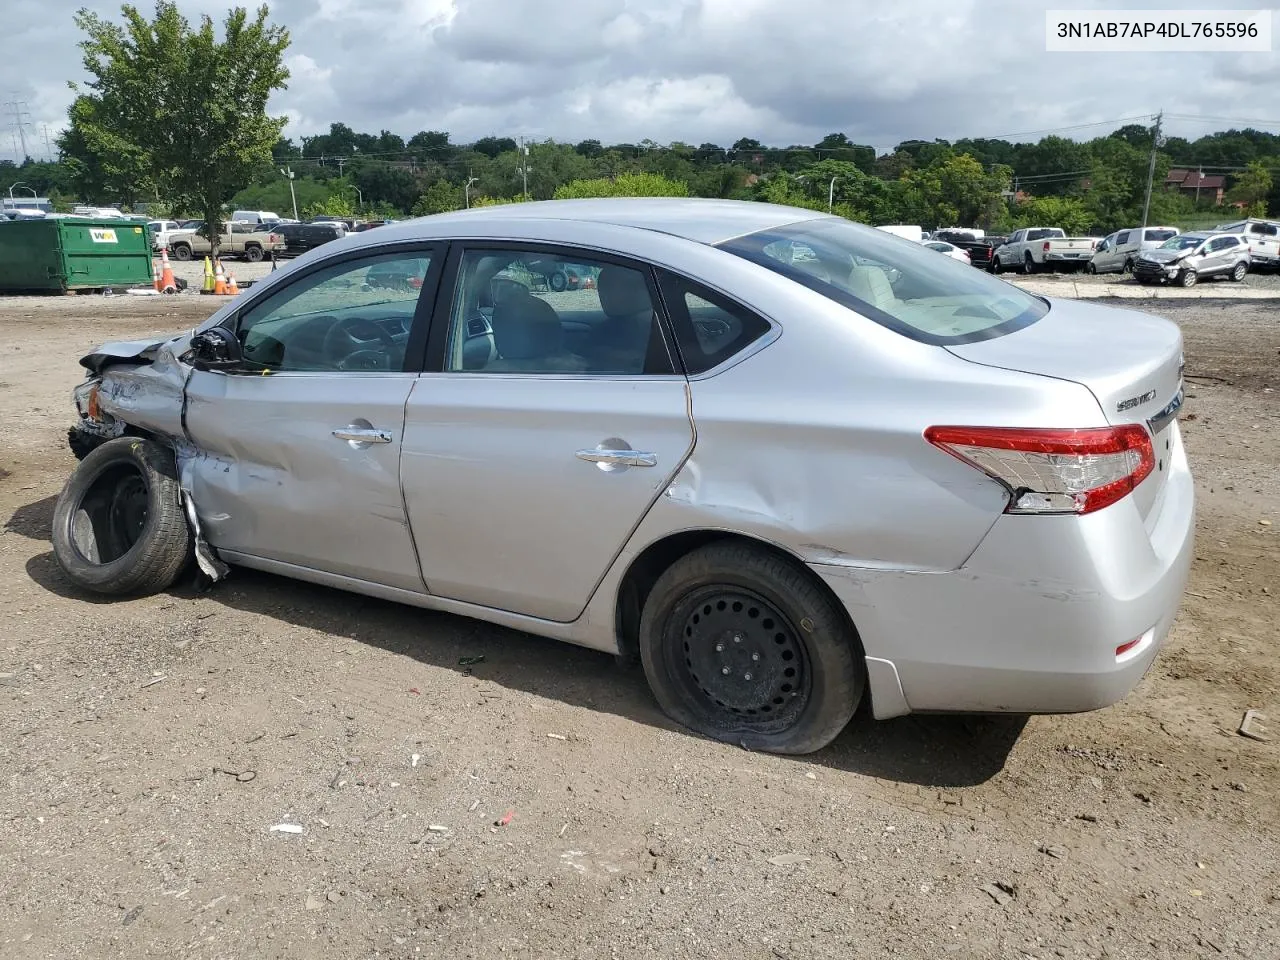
692	70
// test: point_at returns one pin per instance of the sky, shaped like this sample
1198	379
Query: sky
780	71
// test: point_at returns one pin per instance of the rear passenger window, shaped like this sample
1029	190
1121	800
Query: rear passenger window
709	328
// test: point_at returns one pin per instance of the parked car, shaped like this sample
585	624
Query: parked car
263	217
301	237
1189	258
978	248
1263	238
251	242
1034	249
1118	252
950	250
786	484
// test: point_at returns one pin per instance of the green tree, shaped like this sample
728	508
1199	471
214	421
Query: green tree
189	112
1251	188
1069	213
335	205
441	197
625	185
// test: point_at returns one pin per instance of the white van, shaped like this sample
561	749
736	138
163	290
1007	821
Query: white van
1118	252
906	231
256	216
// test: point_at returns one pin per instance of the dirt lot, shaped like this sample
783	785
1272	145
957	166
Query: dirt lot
150	746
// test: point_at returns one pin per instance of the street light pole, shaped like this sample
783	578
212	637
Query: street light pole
466	191
359	194
288	174
831	194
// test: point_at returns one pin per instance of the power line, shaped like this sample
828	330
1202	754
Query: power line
1075	126
1203	119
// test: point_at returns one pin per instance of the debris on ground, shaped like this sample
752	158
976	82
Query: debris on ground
287	828
505	819
788	859
1053	850
470	661
1251	726
999	891
557	736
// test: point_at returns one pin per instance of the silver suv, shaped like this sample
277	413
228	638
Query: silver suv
1191	257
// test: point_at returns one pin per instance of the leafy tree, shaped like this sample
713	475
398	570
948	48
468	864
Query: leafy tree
335	205
188	111
380	182
441	197
626	185
589	148
493	146
1069	213
1252	188
431	145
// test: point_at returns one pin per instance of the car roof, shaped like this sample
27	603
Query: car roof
703	220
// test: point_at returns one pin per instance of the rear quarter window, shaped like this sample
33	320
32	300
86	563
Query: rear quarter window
709	328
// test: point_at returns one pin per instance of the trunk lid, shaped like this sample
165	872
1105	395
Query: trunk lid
1131	362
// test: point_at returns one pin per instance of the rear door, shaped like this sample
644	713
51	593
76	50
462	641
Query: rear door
301	448
548	424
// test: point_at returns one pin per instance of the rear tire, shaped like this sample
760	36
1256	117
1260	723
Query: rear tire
790	681
1090	269
1128	268
253	254
119	527
1028	264
1238	274
181	251
558	282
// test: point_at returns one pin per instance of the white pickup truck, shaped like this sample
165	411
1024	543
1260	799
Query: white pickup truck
1033	249
1263	238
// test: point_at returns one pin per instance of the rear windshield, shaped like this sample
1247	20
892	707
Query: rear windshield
902	285
1161	235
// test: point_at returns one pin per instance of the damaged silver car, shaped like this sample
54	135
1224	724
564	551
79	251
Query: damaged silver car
792	463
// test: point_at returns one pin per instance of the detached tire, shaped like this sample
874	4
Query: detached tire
119	527
741	645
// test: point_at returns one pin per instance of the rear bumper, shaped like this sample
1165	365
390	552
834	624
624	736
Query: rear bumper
1031	622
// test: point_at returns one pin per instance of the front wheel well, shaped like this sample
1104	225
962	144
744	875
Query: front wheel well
654	560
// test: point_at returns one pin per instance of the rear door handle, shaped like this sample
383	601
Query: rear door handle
622	458
363	435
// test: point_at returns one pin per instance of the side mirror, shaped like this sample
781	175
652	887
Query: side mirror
215	349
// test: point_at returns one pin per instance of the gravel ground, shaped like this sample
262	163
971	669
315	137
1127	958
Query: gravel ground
152	744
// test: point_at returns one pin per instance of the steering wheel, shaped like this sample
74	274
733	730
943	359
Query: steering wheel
712	329
341	343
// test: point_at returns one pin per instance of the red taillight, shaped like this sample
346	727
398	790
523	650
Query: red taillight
1045	248
1054	471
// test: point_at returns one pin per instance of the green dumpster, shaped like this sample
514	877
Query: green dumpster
59	254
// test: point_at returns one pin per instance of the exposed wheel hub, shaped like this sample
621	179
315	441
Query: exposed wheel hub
742	653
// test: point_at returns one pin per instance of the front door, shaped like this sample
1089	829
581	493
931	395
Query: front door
302	449
553	420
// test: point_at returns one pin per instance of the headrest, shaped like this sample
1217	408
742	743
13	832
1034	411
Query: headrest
623	292
526	328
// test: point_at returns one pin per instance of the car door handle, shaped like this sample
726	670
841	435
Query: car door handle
363	435
623	458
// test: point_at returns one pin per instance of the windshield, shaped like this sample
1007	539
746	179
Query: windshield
902	285
1182	242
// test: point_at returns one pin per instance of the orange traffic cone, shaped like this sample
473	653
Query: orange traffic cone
166	282
155	273
219	280
233	288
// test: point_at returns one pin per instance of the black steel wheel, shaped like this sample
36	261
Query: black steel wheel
742	645
119	526
558	281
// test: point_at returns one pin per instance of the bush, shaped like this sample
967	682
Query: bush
624	185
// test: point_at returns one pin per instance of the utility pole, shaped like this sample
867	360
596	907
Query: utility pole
1151	170
524	168
288	173
48	150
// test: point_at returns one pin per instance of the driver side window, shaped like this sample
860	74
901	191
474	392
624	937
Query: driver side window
352	316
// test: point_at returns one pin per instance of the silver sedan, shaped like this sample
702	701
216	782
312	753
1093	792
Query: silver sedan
789	462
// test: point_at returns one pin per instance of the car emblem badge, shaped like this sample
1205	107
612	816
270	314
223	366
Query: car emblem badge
1132	402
